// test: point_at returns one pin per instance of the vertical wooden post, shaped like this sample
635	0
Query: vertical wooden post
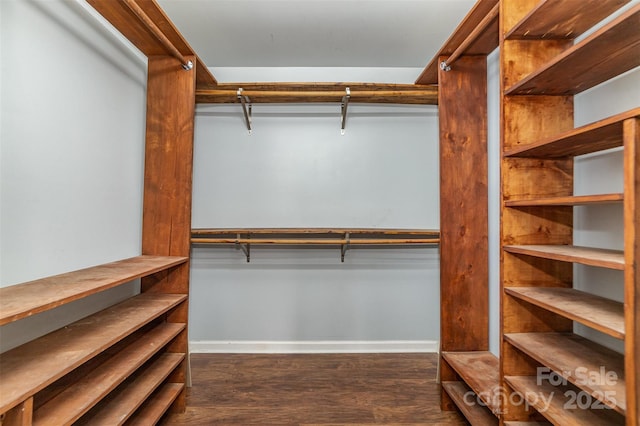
166	224
464	297
20	415
632	259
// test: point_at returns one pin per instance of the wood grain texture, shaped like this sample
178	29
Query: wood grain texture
604	315
20	415
551	19
23	300
632	261
125	21
484	45
314	231
556	413
481	372
118	407
314	389
463	207
475	413
38	363
157	404
597	370
579	200
76	400
604	258
608	52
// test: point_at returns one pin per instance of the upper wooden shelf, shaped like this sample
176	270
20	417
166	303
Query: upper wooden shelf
610	51
23	300
599	313
576	200
138	33
481	43
480	371
552	402
589	366
552	19
320	92
31	367
604	258
594	137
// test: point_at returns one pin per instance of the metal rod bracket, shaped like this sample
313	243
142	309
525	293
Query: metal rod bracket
343	109
444	66
246	108
345	247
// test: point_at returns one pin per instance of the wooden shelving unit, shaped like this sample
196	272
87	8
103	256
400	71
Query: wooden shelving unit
474	412
542	68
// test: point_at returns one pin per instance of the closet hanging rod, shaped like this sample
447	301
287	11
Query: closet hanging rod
473	36
428	96
158	34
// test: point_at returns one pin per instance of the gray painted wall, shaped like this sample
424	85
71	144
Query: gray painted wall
72	139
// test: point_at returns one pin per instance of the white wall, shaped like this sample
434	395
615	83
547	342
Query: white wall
72	140
296	170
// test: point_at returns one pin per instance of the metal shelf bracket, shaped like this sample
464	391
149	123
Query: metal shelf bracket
246	248
345	247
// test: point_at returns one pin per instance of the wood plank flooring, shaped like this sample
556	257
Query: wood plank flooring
306	390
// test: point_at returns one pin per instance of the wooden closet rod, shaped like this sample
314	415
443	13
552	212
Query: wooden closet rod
415	96
482	26
316	241
157	33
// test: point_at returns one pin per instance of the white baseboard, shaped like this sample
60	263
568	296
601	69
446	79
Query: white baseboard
314	347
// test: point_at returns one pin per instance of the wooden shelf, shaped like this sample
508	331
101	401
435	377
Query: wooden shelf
31	367
476	414
580	361
556	412
69	405
608	52
129	396
576	200
551	19
604	315
23	300
612	259
594	137
483	44
480	371
526	423
155	407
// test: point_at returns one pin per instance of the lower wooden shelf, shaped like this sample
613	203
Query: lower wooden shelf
155	407
31	367
526	423
467	402
596	370
480	370
131	395
563	405
70	404
603	258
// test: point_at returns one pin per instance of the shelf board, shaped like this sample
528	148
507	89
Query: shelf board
129	396
313	231
610	51
551	19
580	361
476	414
23	300
599	313
69	405
604	258
480	370
155	407
594	137
576	200
556	412
31	367
526	423
485	43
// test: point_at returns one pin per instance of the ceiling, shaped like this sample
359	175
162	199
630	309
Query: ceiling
316	33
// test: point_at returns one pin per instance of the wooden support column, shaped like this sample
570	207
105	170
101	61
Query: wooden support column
166	227
464	298
632	260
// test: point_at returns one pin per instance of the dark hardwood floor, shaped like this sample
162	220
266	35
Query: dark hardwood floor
327	389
